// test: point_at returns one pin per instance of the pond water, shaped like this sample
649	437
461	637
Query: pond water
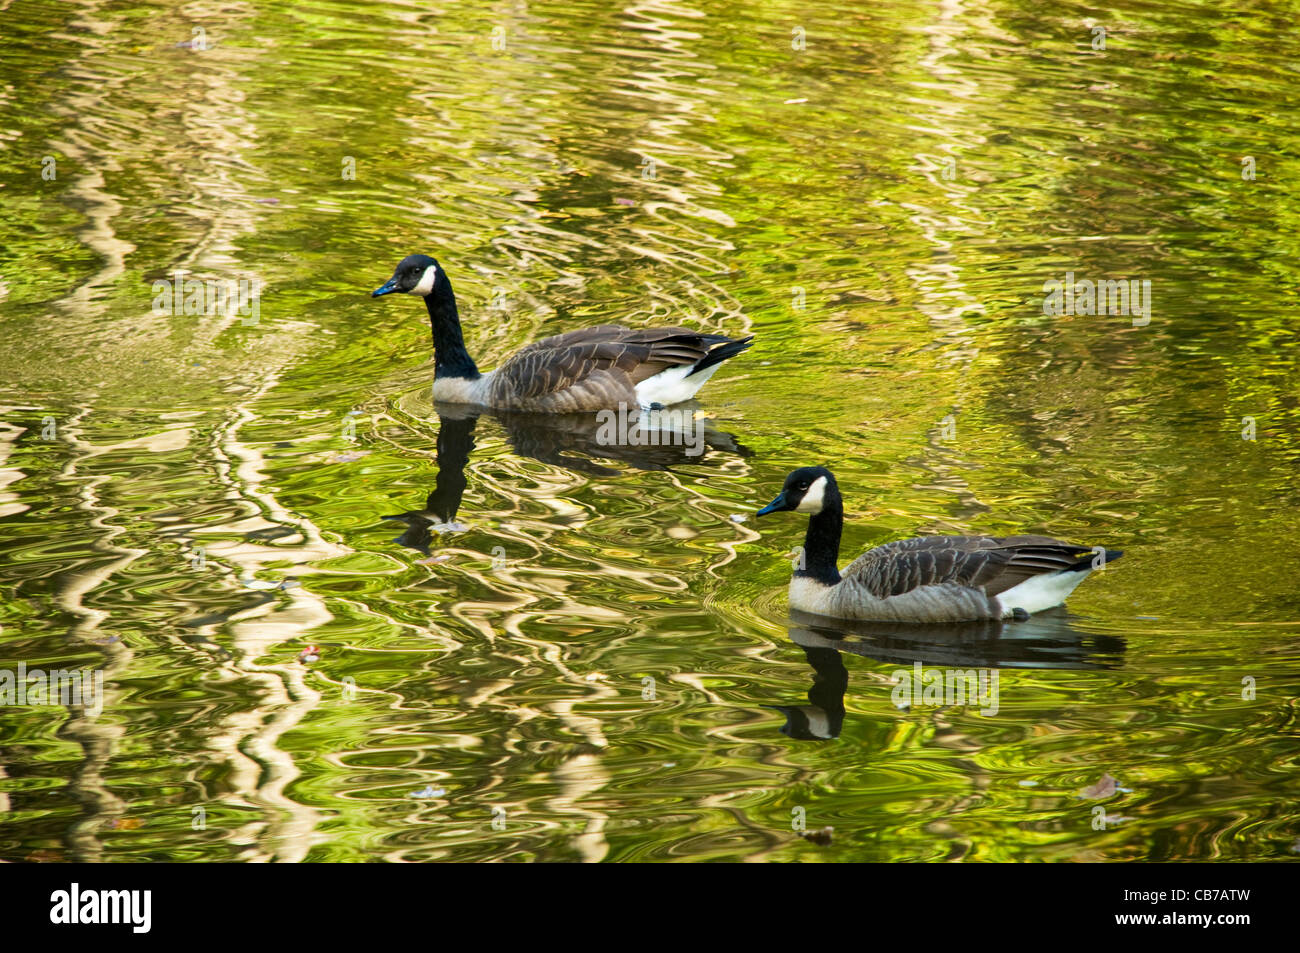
564	650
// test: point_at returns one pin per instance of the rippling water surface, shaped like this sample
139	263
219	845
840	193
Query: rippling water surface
572	651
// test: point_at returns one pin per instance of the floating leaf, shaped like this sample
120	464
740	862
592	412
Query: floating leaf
1102	789
347	456
821	838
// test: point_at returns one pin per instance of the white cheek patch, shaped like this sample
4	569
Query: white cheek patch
426	281
812	500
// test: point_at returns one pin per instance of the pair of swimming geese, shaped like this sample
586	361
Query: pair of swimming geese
931	579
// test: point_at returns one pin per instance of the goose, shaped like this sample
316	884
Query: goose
589	369
928	579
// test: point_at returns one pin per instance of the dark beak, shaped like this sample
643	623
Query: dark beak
387	288
775	506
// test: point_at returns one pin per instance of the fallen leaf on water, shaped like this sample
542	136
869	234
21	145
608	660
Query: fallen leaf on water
127	823
738	517
821	838
1102	789
428	792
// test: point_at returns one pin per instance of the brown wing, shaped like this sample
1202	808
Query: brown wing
622	356
992	563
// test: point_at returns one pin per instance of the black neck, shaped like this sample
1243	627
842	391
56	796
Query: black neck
821	544
450	359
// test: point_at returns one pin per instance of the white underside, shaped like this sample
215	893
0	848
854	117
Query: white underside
931	604
460	390
1041	592
809	595
673	385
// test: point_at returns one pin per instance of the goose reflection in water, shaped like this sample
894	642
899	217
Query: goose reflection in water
1047	641
573	441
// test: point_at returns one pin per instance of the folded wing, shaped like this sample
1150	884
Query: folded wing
600	366
992	563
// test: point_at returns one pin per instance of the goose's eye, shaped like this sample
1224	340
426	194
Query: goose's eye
803	486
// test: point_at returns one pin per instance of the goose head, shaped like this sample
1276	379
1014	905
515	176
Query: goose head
415	274
806	490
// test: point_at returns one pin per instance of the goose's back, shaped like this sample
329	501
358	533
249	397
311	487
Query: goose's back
593	368
993	563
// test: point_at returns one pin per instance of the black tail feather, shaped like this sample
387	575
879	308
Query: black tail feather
721	353
1087	561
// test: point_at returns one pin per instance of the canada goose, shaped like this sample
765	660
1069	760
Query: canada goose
927	579
589	369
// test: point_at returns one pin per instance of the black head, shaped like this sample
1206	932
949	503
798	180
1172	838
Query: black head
807	490
415	274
